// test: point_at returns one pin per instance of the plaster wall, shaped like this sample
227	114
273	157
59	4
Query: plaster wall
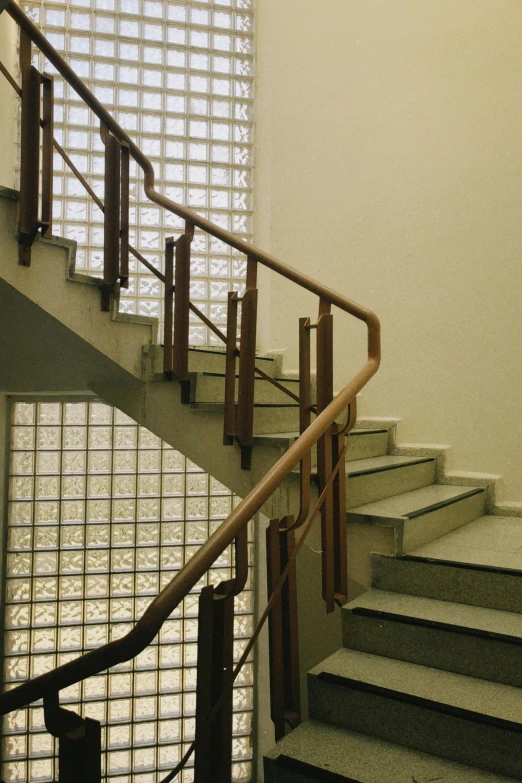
389	165
8	101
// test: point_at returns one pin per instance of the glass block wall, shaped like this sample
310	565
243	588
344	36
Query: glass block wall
101	516
178	76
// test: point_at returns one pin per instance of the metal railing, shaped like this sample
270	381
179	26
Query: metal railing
80	738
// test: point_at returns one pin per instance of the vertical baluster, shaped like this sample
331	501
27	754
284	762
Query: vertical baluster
304	415
168	314
29	152
324	449
213	754
247	366
111	248
229	426
285	700
124	228
182	312
47	155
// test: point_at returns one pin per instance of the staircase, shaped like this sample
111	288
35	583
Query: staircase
424	687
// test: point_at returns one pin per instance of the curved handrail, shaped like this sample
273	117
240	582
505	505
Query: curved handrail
142	634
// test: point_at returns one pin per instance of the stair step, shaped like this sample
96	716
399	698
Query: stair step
467	720
465	639
212	360
362	443
423	514
210	387
489	587
375	478
320	752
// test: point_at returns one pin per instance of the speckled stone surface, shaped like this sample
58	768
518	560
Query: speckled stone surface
366	759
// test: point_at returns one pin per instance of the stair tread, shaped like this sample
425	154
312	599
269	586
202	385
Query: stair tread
477	618
367	759
490	699
415	501
384	462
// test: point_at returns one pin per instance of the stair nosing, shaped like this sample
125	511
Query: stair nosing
409	515
394	466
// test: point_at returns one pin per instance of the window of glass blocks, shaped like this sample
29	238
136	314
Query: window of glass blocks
178	76
101	516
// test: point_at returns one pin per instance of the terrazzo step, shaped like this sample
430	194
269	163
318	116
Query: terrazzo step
421	515
210	387
213	361
467	720
471	640
464	583
268	417
362	443
320	752
375	478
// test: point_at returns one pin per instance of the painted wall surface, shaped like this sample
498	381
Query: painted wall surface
8	100
389	165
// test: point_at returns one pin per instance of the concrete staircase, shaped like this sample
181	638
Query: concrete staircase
405	682
426	686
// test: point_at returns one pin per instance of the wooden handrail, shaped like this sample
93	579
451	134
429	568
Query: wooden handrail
147	627
362	313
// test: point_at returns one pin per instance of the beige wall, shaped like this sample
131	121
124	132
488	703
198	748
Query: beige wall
8	101
389	164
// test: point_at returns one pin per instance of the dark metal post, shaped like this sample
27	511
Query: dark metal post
47	155
247	366
229	426
111	248
169	301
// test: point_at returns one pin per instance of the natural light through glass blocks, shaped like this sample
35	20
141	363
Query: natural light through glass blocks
102	515
178	77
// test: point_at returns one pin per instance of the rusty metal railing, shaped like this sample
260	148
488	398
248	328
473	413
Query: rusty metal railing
212	747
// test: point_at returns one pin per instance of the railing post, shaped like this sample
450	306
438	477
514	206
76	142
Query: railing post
247	366
182	312
124	227
168	315
29	153
324	449
111	247
285	699
213	754
79	755
47	155
229	426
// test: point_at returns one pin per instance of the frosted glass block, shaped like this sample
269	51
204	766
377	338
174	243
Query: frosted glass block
122	559
125	437
121	609
100	437
144	758
119	736
14	746
96	611
22	462
98	536
196	507
24	413
171	557
122	535
97	561
73	486
122	584
149	485
48	437
16	642
75	413
15	721
96	635
20	513
70	638
72	562
40	664
99	413
74	437
45	512
96	711
148	508
72	536
147	583
169	705
120	710
71	587
119	761
70	612
20	538
22	487
99	462
16	668
98	510
48	462
19	564
173	460
45	588
46	537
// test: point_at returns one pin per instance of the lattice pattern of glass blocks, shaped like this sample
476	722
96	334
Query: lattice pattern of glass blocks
102	515
178	76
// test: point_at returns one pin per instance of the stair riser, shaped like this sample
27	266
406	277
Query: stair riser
462	653
367	445
275	419
475	587
383	484
214	361
437	523
212	389
489	747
